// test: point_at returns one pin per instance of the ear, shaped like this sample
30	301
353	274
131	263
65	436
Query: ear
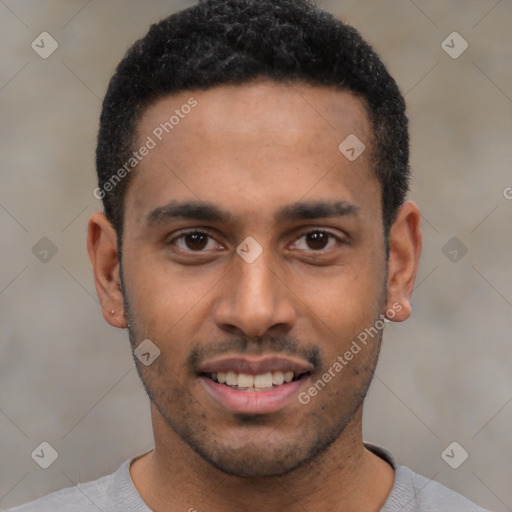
404	255
102	248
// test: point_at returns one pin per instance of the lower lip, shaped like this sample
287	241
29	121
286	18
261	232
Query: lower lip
253	402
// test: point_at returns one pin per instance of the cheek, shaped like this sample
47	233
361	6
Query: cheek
345	297
165	298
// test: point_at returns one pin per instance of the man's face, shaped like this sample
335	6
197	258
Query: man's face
259	161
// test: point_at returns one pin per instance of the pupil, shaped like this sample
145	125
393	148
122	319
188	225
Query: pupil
317	240
196	241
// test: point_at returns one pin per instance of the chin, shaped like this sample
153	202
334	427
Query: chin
253	463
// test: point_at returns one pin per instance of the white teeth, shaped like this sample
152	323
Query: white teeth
262	381
277	378
231	379
245	380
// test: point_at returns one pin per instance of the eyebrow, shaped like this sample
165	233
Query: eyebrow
315	210
202	211
193	210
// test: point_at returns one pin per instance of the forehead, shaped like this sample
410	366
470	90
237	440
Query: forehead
260	108
234	144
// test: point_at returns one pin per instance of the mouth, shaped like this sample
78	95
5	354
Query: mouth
249	385
255	383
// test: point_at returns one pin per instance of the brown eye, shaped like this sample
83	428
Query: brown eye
196	241
317	240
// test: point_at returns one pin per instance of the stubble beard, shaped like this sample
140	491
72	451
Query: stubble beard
265	457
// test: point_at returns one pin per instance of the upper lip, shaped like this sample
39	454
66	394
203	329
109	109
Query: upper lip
256	365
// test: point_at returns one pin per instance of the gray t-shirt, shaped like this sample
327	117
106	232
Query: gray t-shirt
116	493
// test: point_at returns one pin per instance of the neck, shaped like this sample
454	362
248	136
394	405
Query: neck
345	477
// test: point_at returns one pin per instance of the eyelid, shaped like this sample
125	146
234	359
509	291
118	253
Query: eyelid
327	231
171	239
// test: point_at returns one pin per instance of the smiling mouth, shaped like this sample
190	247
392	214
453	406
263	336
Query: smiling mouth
259	382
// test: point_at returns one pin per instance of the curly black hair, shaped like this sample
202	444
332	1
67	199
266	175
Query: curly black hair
237	41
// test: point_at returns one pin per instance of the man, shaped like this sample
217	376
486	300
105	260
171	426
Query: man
253	164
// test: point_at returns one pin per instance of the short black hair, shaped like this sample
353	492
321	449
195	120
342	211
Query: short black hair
219	42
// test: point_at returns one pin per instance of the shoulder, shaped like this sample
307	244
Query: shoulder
111	493
82	497
415	493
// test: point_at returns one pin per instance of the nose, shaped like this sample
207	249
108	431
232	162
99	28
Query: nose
255	301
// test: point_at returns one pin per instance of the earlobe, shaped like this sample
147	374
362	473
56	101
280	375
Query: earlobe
404	254
102	249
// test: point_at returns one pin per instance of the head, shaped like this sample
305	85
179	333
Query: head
253	164
234	42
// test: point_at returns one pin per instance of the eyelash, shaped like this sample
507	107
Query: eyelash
304	234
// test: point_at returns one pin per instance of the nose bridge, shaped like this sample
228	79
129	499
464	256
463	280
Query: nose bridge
255	299
257	283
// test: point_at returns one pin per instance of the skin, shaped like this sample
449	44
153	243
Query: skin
251	150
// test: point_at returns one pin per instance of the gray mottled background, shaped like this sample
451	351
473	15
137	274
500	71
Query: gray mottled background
67	378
